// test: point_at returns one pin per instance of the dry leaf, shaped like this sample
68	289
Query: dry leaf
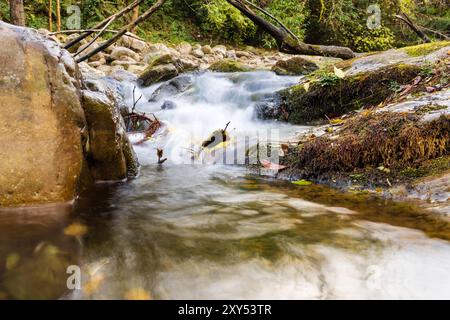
137	294
76	230
93	284
272	166
306	86
339	73
12	260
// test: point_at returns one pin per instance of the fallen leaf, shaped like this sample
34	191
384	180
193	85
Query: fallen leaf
302	182
76	230
137	294
339	73
12	260
306	86
93	284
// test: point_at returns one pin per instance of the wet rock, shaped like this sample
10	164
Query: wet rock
125	62
110	154
172	88
155	74
41	120
295	66
168	105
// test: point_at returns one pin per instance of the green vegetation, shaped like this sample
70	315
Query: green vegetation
338	22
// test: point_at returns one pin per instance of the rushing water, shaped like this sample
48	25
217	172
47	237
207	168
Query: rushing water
204	231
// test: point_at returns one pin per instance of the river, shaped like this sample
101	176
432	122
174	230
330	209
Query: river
196	228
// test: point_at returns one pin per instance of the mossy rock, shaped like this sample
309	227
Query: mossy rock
155	74
229	66
334	98
426	48
296	66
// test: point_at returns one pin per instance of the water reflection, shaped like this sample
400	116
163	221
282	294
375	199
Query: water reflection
202	234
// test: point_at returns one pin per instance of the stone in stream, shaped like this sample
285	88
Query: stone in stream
171	88
168	105
295	66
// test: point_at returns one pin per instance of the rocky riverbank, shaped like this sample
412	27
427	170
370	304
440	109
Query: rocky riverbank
381	120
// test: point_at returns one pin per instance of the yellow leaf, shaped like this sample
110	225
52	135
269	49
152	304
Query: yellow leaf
302	182
76	230
12	260
93	284
306	86
137	294
339	73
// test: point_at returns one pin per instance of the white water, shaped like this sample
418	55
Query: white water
213	100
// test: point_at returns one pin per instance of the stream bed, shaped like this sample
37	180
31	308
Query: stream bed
204	230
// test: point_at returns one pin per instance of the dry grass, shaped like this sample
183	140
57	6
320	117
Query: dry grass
377	139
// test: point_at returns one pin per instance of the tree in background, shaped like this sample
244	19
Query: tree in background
17	12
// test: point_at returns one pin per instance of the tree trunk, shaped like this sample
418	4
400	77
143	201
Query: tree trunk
287	43
17	12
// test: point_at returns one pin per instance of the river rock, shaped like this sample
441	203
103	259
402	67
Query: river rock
42	120
130	41
207	49
168	105
110	154
198	52
220	49
171	88
184	48
119	53
165	67
295	66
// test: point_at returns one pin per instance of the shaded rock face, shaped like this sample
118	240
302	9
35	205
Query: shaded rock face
41	120
110	154
296	66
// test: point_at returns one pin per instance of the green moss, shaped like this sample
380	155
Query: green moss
228	66
331	97
426	48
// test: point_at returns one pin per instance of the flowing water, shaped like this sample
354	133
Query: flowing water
206	230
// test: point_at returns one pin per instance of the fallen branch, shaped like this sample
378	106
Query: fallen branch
403	17
124	30
131	35
103	23
94	39
286	42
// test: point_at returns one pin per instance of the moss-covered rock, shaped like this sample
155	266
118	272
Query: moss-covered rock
295	66
227	65
330	96
425	48
165	67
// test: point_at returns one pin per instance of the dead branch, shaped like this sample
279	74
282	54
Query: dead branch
131	35
403	17
103	23
287	43
124	30
95	38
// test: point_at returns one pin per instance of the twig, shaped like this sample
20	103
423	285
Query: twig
95	38
102	23
123	31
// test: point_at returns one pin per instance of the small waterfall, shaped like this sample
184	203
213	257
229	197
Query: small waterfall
195	105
